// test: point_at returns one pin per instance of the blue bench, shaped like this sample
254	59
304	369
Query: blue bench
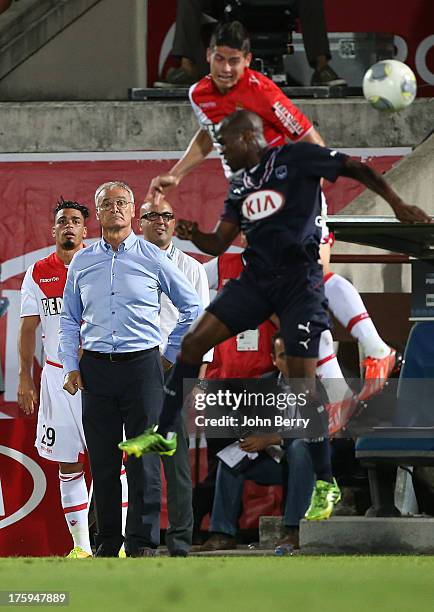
382	456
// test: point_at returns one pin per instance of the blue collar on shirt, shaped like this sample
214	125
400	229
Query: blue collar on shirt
129	241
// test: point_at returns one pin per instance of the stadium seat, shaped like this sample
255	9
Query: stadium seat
382	456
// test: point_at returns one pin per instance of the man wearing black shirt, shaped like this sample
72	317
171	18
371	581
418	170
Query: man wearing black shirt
275	199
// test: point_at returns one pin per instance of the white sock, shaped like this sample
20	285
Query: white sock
74	497
348	307
329	370
124	484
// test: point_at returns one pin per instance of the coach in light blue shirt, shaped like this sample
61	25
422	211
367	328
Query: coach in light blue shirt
111	306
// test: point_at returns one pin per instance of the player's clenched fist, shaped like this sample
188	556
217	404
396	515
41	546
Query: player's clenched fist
72	382
163	183
411	214
185	229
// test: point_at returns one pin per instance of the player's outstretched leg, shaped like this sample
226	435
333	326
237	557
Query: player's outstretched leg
342	401
326	491
150	441
348	307
161	438
204	334
376	373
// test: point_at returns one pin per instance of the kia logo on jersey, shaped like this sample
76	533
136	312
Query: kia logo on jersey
262	204
13	506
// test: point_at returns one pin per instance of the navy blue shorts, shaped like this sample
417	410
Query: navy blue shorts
295	294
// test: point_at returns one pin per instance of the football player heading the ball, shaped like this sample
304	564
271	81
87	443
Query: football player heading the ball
232	85
275	201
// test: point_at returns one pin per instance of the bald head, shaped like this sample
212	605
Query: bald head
157	222
242	121
241	136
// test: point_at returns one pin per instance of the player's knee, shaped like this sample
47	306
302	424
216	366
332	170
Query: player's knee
70	468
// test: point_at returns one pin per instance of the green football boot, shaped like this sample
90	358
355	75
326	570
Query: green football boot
150	441
324	497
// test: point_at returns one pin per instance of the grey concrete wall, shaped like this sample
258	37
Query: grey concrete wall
367	536
353	123
129	126
98	56
413	179
29	24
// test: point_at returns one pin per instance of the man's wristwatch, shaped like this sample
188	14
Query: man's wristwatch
202	384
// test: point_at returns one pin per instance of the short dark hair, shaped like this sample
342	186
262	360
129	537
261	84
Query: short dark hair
61	204
232	34
276	336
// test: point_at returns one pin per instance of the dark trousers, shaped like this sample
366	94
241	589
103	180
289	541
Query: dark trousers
177	471
313	28
190	19
123	395
203	494
297	471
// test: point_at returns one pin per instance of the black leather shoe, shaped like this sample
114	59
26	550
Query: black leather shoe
290	538
219	541
326	76
104	550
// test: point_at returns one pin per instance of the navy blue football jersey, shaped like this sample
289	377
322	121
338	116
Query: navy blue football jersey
277	204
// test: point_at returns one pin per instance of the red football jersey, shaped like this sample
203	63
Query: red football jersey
253	92
42	294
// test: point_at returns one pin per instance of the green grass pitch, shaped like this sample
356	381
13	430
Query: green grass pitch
299	584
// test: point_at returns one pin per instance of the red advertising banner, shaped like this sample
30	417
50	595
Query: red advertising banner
31	516
412	23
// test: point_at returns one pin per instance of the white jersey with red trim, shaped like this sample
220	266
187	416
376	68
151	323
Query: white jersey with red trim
256	93
41	294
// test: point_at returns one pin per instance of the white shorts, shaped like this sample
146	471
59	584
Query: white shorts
59	433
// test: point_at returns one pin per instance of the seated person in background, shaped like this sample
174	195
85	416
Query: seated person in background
192	17
316	44
296	467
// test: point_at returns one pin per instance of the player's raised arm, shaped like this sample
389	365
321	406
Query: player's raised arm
314	137
375	182
200	146
214	243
